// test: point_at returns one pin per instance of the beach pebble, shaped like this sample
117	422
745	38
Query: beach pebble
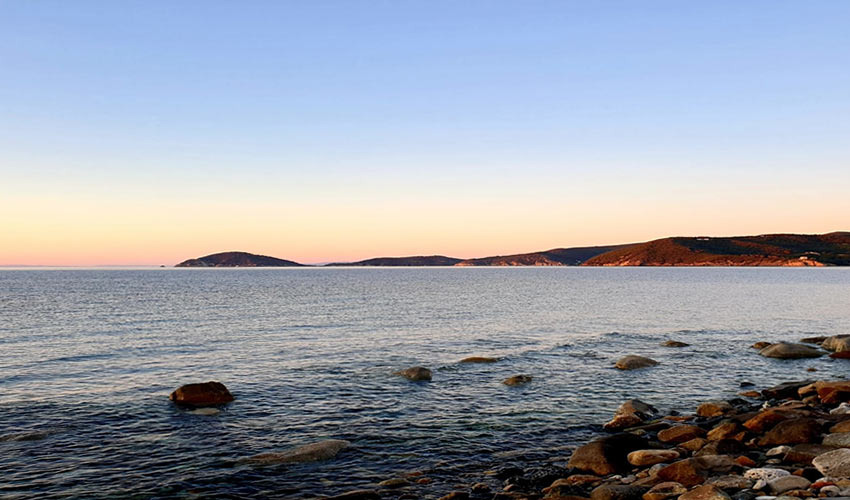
617	492
766	473
787	483
680	433
663	491
642	458
830	491
730	482
705	492
834	463
840	439
779	450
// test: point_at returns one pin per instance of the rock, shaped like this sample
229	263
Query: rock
357	495
607	455
415	374
778	451
206	411
694	471
786	483
788	350
665	491
843	426
837	343
750	394
617	492
744	461
714	409
694	444
830	491
842	409
795	431
765	420
765	474
203	394
517	380
643	458
785	390
314	452
630	414
832	392
724	430
813	340
680	433
805	453
674	343
579	480
396	482
455	495
730	482
479	359
480	488
722	447
840	355
760	345
562	488
633	362
23	436
705	492
838	439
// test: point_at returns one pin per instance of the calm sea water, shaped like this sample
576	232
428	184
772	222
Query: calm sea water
90	356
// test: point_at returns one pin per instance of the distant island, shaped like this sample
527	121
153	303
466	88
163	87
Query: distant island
831	249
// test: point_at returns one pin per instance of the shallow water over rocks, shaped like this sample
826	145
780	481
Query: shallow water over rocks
90	357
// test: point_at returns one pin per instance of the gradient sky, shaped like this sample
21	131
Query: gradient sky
150	132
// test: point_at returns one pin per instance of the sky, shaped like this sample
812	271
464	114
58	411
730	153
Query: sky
149	132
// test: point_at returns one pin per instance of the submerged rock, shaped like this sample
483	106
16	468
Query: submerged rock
674	343
633	362
788	350
314	452
415	373
24	436
479	359
517	380
203	394
206	411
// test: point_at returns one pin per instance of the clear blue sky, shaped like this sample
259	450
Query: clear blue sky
333	130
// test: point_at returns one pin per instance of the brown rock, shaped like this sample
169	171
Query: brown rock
843	426
750	394
694	471
674	343
607	455
680	433
479	359
651	457
723	430
833	392
714	409
805	453
665	491
633	362
798	430
765	420
760	345
630	414
203	394
745	461
722	447
517	380
415	374
840	355
579	480
455	495
694	444
730	482
837	343
789	350
785	389
705	492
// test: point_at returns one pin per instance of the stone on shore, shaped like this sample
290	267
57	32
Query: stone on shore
680	433
725	430
829	392
479	359
838	439
805	453
765	474
843	426
674	343
630	414
714	409
693	471
607	455
789	350
633	362
834	463
795	431
665	491
786	389
202	394
787	483
642	458
617	492
415	374
705	492
730	482
518	380
314	452
837	343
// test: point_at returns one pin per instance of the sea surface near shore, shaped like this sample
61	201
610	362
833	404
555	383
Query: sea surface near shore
89	357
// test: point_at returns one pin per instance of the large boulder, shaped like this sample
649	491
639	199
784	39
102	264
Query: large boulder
203	394
834	463
795	431
314	452
789	350
607	455
631	413
837	343
633	362
415	373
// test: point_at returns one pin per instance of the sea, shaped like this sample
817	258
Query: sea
88	358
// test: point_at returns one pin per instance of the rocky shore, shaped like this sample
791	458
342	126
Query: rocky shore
790	441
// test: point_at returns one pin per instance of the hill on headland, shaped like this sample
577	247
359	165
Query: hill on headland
238	259
831	249
764	250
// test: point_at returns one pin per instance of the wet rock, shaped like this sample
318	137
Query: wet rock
745	461
563	488
729	482
455	495
832	392
813	340
805	453
396	482
694	471
607	455
630	414
760	345
837	343
674	343
785	389
633	362
843	426
357	495
724	430
579	480
765	474
788	350
750	394
617	492
798	430
680	433
777	451
840	355
479	359
722	447
202	394
765	420
839	440
705	492
480	489
517	380
643	458
694	444
665	491
23	436
314	452
714	409
787	483
415	374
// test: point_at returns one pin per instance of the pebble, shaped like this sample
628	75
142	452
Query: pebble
779	450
